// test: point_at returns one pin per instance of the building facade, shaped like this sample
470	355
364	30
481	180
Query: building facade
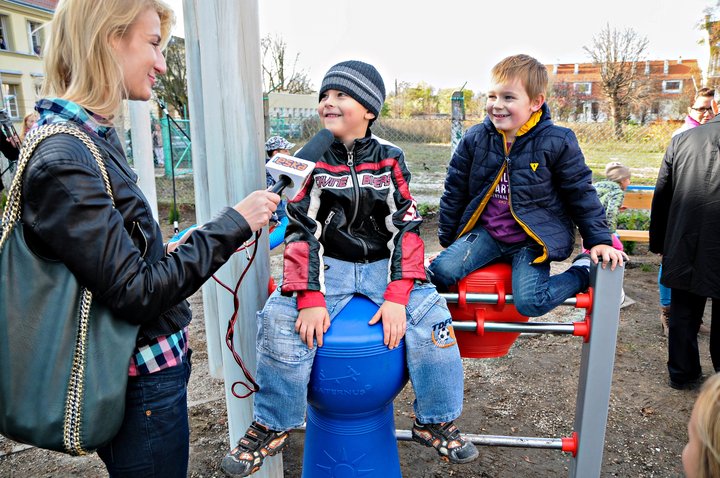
21	43
668	88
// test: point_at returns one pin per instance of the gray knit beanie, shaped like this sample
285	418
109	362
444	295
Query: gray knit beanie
359	80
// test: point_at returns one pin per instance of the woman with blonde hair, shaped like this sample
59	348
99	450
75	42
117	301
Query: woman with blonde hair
28	122
98	54
701	455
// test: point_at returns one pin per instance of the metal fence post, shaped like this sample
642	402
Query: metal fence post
458	116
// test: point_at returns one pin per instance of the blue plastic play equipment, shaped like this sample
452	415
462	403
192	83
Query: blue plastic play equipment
350	420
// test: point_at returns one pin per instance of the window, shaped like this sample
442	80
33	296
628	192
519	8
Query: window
672	86
10	101
34	37
4	33
583	88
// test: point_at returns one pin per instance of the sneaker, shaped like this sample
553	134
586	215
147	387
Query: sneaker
247	457
582	260
446	439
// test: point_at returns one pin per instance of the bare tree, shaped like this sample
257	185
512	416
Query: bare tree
279	74
618	52
172	86
562	100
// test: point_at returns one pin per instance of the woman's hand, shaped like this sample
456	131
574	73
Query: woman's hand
257	208
394	322
312	323
171	246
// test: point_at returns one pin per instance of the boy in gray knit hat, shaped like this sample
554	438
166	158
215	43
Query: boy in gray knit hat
354	219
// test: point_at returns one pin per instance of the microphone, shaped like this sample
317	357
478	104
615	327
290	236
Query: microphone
291	173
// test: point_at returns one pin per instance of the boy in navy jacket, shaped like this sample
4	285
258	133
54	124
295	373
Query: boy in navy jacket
516	187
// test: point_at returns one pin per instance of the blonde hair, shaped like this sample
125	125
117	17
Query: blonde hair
531	73
707	428
80	63
617	172
34	115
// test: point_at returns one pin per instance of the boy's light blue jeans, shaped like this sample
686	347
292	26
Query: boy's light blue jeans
535	291
284	363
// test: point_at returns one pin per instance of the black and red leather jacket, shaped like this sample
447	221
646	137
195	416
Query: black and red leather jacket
356	207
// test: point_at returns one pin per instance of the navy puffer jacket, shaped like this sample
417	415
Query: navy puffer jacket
550	186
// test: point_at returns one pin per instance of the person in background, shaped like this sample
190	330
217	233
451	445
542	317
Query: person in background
28	122
701	455
157	142
276	145
702	110
98	54
611	193
684	225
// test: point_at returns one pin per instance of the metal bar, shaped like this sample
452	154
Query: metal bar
499	440
491	440
491	298
596	367
521	327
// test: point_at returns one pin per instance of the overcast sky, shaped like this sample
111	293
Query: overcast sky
452	42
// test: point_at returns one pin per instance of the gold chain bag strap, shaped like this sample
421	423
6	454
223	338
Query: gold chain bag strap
78	341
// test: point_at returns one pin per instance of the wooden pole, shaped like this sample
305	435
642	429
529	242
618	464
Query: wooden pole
225	97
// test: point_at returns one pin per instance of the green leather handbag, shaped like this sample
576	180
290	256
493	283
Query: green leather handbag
63	359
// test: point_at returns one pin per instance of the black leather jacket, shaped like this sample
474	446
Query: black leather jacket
356	207
118	253
685	212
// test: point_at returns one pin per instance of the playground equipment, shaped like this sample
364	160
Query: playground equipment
355	378
350	417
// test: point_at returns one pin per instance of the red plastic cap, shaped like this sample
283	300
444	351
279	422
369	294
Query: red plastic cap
570	445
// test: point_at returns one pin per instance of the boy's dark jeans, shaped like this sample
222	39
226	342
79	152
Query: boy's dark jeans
535	292
154	440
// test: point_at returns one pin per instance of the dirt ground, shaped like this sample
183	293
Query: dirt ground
530	392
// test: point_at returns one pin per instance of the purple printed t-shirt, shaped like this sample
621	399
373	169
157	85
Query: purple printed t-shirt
497	219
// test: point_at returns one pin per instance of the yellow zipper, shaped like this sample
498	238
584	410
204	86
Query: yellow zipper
491	191
476	215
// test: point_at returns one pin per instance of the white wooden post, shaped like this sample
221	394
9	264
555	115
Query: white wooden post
142	152
222	42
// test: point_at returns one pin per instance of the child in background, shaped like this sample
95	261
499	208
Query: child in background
701	455
28	122
516	187
611	193
354	229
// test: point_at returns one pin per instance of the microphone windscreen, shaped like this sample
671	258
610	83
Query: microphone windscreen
316	146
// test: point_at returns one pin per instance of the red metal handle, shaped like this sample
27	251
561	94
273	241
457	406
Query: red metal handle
582	329
500	289
480	321
462	291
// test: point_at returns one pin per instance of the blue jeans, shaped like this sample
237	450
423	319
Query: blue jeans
535	292
665	292
154	439
284	362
